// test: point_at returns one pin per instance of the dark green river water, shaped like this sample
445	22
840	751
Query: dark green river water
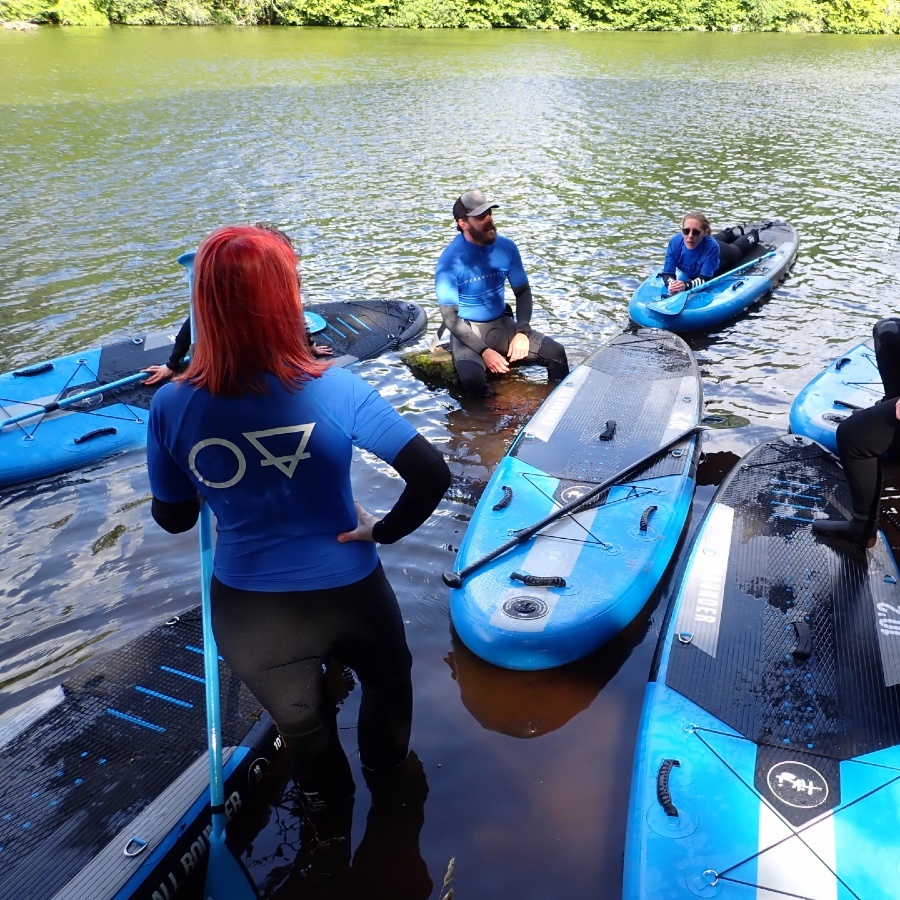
121	148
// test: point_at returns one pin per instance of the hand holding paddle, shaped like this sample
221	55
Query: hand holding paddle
455	579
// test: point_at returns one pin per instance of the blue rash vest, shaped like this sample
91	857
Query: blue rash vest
473	277
702	260
275	470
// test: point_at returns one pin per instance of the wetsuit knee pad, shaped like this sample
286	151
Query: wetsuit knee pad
886	330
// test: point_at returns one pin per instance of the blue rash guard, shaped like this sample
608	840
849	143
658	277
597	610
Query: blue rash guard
702	261
275	470
473	277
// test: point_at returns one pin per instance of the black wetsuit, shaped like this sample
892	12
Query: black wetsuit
867	435
278	643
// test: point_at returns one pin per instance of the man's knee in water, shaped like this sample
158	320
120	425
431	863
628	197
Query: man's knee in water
473	378
554	355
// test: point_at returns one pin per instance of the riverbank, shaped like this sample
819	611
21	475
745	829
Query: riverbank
789	16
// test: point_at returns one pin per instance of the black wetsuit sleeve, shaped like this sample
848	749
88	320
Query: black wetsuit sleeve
181	348
524	307
667	277
175	517
461	330
696	282
427	478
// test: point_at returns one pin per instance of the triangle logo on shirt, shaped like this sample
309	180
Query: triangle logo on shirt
286	464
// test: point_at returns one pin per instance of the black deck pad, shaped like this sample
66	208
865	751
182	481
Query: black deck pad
806	655
124	731
634	382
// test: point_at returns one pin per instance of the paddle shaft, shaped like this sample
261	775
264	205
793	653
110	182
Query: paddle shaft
75	398
682	297
211	673
455	579
225	877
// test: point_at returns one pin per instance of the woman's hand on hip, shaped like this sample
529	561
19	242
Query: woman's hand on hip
363	531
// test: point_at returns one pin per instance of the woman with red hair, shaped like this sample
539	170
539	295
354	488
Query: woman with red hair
265	434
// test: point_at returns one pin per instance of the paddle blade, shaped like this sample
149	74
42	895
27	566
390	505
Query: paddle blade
669	306
226	878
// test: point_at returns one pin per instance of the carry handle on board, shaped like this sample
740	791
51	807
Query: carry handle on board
677	302
455	579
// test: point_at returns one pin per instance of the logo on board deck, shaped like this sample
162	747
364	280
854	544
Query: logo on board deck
797	784
574	492
285	464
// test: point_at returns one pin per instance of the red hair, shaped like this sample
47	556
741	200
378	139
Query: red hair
247	313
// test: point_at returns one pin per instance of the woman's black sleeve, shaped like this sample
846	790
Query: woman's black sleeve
182	345
175	517
427	478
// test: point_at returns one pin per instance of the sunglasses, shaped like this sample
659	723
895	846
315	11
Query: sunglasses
696	232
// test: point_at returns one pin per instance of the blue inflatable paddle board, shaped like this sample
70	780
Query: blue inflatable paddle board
609	523
53	438
768	757
723	298
849	383
104	780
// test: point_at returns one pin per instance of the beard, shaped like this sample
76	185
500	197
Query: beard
483	234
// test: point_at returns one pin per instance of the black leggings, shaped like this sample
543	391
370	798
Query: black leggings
277	643
498	334
887	353
731	250
862	440
867	435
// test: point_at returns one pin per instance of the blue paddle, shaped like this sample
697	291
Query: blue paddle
226	878
677	302
74	398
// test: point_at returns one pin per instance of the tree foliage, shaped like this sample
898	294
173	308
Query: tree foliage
837	16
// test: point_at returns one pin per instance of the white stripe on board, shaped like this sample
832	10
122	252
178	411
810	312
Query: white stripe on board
700	610
545	420
554	552
795	866
684	409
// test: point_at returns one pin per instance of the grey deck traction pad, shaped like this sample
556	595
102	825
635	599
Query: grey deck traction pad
842	701
634	381
125	730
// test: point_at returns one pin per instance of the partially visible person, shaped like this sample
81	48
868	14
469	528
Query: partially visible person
695	255
470	280
863	438
886	338
264	433
177	361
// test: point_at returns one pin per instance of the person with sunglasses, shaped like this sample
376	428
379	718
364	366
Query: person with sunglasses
695	255
470	280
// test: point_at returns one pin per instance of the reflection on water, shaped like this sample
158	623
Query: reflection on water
123	148
529	704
